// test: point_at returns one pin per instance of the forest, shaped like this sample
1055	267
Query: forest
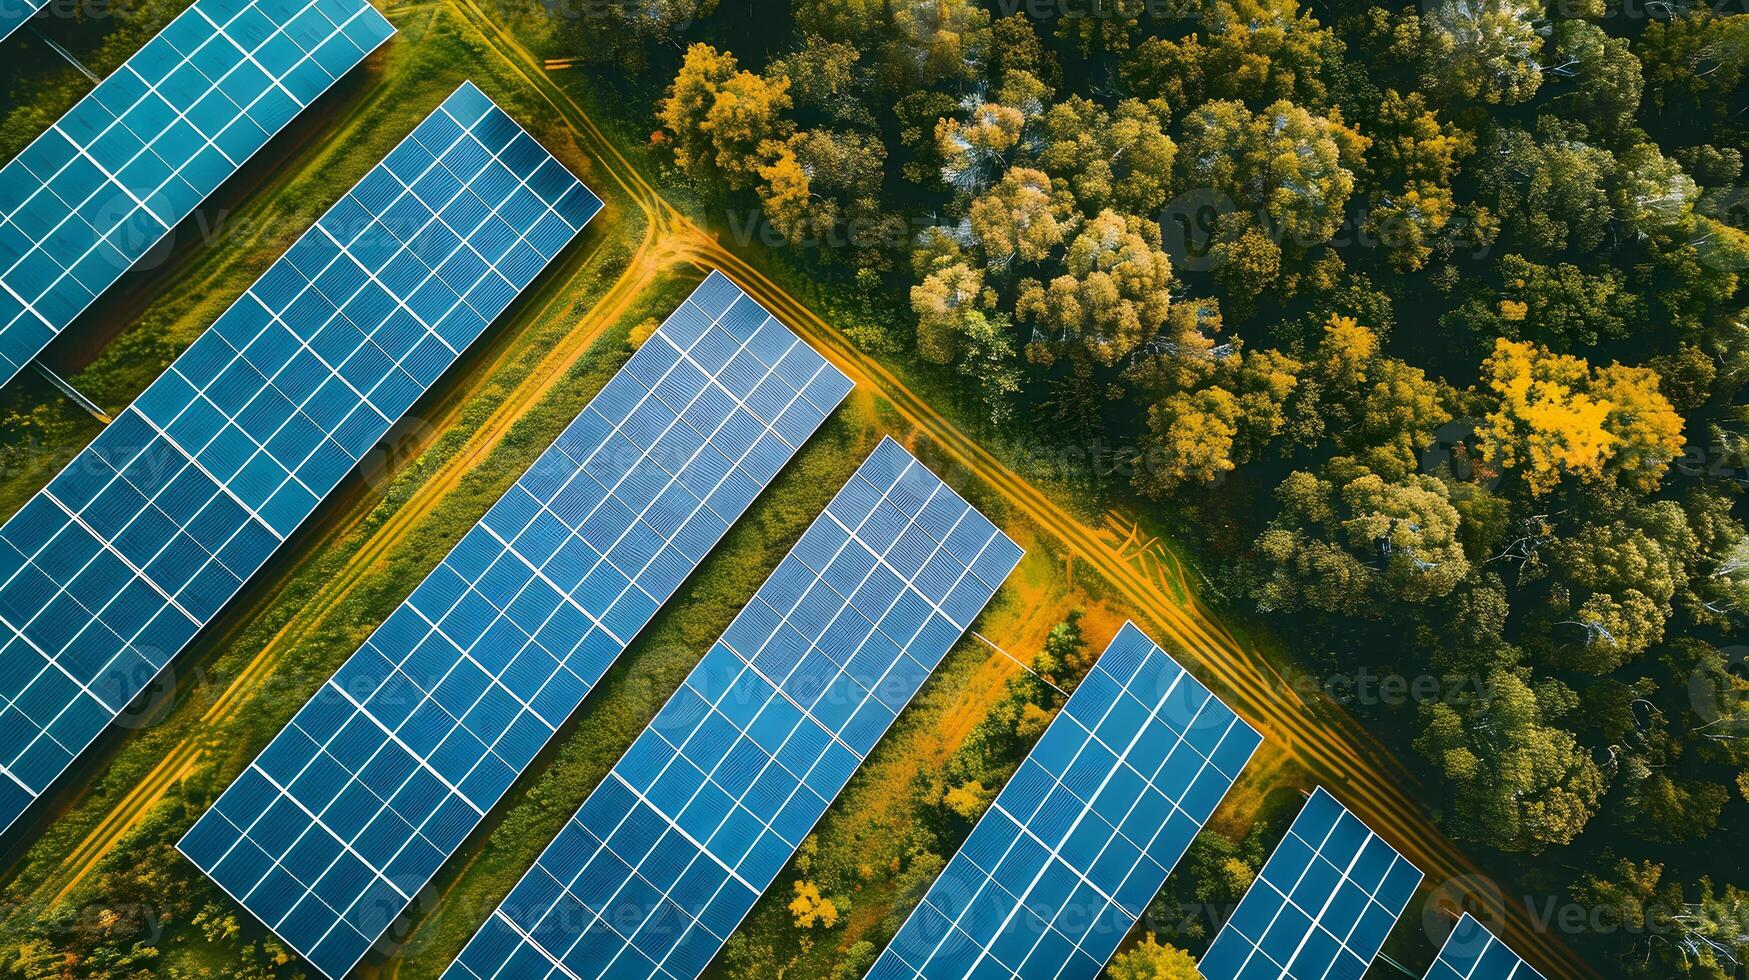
1422	324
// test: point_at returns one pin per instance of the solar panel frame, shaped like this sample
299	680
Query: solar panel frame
1322	905
106	573
1088	828
770	726
104	185
1472	952
505	638
13	14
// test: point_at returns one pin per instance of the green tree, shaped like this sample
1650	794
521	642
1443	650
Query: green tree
1487	51
1112	295
1518	783
1295	165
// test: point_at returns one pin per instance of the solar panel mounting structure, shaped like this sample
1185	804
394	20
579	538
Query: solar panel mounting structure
1079	841
106	184
699	816
111	569
1322	905
353	807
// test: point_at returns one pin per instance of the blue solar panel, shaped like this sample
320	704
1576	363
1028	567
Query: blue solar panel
13	14
108	181
112	568
355	805
1322	905
701	813
1077	844
1471	952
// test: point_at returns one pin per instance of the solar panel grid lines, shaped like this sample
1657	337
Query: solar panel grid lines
414	739
1322	905
13	14
696	820
1073	848
111	569
107	182
1471	952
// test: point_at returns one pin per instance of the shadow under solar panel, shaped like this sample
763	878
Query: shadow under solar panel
108	181
352	808
109	571
1080	840
700	815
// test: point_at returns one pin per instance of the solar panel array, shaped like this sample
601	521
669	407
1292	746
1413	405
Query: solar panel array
354	805
1471	952
1077	844
1322	905
13	14
85	200
112	568
672	850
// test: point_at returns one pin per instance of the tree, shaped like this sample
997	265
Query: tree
810	909
1616	576
1416	156
1149	960
1022	217
1483	50
1189	440
1119	158
1291	163
988	357
1113	293
1518	783
1411	527
1550	188
939	40
1665	810
967	800
1065	657
724	122
1555	417
1604	75
943	301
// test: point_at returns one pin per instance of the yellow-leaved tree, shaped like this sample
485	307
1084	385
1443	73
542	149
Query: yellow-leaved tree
1556	416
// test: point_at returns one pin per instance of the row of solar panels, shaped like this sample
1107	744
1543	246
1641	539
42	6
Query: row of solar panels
355	806
109	571
104	185
106	573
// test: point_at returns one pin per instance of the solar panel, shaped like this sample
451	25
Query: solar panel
1322	905
113	567
13	14
1472	953
1077	844
85	200
672	850
354	805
